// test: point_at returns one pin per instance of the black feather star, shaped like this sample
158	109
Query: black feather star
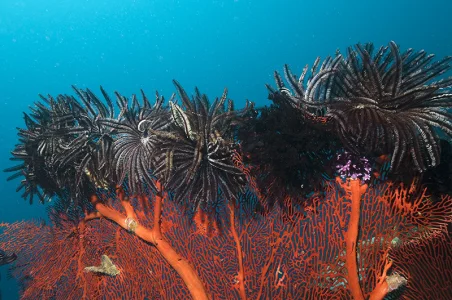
64	150
72	147
38	148
385	102
134	144
197	161
6	259
285	155
87	146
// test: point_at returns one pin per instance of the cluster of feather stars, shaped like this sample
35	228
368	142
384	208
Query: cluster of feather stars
372	103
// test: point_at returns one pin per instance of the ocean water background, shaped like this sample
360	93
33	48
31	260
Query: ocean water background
127	45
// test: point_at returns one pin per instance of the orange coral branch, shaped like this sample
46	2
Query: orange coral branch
154	236
382	288
267	266
241	273
80	266
158	209
354	190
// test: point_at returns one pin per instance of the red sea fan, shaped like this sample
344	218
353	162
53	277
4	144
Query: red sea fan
254	258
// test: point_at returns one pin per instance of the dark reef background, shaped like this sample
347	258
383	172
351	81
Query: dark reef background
125	45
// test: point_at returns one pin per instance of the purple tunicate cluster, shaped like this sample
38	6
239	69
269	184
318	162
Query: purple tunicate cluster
352	166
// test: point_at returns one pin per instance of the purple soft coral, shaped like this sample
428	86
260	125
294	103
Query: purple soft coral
354	167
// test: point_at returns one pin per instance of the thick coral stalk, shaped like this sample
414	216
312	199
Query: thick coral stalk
354	189
154	236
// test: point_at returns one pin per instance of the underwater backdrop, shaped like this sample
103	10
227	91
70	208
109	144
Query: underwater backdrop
47	46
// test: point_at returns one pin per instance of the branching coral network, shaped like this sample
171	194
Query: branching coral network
320	195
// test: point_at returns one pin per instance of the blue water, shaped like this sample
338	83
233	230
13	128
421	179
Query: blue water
48	45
